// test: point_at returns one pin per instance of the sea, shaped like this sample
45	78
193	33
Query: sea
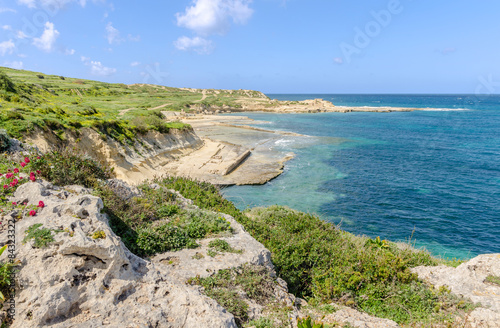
430	178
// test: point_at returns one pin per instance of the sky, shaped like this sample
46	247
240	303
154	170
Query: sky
274	46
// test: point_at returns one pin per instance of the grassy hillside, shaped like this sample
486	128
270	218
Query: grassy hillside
30	99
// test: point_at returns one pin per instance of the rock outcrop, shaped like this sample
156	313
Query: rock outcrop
87	278
470	280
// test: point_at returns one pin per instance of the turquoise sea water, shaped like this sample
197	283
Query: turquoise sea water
436	173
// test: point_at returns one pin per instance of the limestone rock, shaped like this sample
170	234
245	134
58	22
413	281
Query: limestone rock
79	281
469	280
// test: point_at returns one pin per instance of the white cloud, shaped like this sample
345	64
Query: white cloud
338	60
7	27
29	3
46	41
112	34
21	35
22	56
134	38
207	17
7	47
69	52
14	64
134	64
6	10
97	68
197	44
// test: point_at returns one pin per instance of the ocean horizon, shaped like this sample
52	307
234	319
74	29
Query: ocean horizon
432	176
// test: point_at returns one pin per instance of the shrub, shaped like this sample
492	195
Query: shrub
163	238
4	140
66	167
6	83
6	270
42	236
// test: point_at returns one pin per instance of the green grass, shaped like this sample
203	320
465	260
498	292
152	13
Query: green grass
493	279
68	104
42	236
221	246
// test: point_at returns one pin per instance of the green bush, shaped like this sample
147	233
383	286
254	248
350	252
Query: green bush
67	167
6	83
42	236
163	238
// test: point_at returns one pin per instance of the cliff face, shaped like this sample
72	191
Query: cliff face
131	163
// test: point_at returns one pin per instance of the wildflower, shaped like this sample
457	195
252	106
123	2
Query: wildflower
38	172
16	170
5	187
23	164
32	174
20	178
27	160
9	170
32	178
14	183
38	157
32	212
14	203
41	204
9	175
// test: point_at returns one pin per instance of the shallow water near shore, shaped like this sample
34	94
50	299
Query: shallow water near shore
432	172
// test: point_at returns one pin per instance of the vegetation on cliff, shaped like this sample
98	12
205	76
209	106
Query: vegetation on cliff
30	100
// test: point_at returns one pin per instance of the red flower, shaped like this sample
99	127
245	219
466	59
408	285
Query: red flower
20	178
14	203
38	172
38	157
32	178
41	204
9	175
32	212
16	170
23	164
5	187
27	160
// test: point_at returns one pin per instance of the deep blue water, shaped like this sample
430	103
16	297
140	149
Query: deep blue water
436	173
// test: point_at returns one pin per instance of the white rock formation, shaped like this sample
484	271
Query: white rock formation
469	280
78	281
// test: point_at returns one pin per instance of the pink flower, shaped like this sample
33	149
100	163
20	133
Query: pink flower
9	175
23	164
32	173
16	170
32	212
5	187
20	178
9	170
27	160
38	172
38	157
41	204
14	203
32	178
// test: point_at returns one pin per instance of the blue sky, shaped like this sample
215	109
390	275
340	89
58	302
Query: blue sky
275	46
